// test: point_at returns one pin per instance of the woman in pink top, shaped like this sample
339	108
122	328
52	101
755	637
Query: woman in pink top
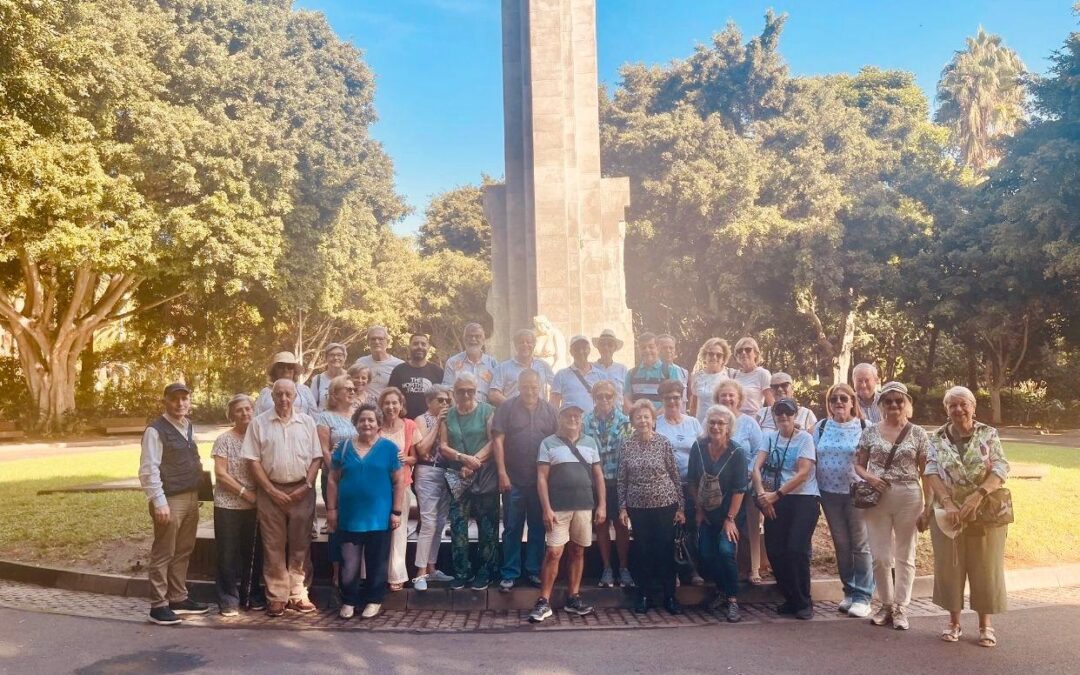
402	431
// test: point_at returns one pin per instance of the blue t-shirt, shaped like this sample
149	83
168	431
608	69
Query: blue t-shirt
365	486
785	453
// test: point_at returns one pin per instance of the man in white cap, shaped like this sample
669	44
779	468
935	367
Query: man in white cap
380	361
570	482
783	387
504	386
607	344
573	384
169	472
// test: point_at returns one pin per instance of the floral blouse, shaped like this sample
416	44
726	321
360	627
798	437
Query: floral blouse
648	476
228	445
964	467
905	465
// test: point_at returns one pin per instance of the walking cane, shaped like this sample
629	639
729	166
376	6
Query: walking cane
251	563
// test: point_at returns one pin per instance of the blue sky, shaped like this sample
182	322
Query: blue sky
438	62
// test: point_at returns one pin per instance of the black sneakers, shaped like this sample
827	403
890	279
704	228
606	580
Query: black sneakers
189	606
574	605
163	616
541	610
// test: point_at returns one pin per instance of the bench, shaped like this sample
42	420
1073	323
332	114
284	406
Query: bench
10	431
122	425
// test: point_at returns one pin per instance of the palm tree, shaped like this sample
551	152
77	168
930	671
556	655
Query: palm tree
981	96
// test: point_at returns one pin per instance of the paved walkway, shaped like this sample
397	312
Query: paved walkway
76	603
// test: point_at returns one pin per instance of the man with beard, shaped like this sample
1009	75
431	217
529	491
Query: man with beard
415	376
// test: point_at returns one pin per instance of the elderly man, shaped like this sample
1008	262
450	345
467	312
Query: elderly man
380	361
416	376
607	344
570	481
783	387
335	354
866	381
169	472
282	449
504	386
643	380
473	361
517	429
574	383
666	345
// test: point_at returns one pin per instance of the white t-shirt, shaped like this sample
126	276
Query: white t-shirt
380	371
704	386
682	437
754	385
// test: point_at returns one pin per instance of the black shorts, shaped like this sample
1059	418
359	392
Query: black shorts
612	500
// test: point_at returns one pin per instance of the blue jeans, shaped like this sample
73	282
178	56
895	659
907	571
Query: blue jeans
852	545
718	558
521	505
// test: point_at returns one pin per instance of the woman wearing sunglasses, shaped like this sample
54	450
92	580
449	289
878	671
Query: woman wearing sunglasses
837	438
710	369
891	458
432	494
334	426
753	378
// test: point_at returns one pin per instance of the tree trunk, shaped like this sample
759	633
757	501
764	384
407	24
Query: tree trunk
931	359
847	342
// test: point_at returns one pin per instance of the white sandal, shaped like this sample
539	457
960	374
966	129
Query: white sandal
987	638
952	633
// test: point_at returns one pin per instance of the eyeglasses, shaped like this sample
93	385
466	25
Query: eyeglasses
465	392
718	423
744	350
839	399
892	401
782	385
603	397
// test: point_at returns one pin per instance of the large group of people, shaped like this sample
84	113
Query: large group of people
644	457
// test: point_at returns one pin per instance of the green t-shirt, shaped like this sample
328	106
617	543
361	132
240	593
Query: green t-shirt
468	433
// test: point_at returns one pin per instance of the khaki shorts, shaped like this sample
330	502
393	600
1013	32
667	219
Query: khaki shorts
575	526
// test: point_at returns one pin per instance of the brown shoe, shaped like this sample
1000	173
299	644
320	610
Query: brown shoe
274	608
302	605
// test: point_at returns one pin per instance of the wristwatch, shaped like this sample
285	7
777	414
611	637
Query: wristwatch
243	489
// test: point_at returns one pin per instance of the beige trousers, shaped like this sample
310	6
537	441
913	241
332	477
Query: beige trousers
171	550
893	533
286	534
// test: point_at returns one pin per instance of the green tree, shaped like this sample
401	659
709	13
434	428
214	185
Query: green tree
455	220
981	97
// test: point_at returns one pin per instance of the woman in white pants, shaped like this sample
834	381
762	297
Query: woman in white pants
404	433
432	493
891	456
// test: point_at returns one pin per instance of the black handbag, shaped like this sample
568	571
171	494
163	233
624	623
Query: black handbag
863	495
486	480
684	564
206	488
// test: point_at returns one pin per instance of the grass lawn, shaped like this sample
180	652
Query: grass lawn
110	531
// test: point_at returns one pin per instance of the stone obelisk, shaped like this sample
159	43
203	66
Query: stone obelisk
557	225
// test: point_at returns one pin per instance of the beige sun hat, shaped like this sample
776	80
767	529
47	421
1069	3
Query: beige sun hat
281	357
607	334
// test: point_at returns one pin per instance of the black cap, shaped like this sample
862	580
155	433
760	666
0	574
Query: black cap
785	406
176	387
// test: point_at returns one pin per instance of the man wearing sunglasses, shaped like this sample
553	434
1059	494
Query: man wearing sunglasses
783	387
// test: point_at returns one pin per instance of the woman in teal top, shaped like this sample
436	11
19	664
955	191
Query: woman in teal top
364	504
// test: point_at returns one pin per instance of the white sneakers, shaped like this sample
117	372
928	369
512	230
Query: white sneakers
346	611
860	609
420	583
371	610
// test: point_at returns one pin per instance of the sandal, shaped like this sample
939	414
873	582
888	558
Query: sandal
756	581
952	633
987	637
396	587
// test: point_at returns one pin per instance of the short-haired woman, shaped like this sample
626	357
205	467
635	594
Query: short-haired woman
891	458
432	494
709	370
837	439
366	499
402	431
717	483
682	431
361	378
753	378
786	491
650	497
239	546
965	466
747	433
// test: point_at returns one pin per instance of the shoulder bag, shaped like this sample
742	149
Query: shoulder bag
863	495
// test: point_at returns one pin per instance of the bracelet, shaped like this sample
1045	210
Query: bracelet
731	518
243	489
396	513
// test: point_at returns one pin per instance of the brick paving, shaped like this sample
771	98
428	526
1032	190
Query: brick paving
16	595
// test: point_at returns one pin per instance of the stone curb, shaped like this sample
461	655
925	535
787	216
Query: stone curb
828	590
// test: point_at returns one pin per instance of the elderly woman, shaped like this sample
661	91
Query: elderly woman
429	481
334	425
610	427
837	438
786	491
285	365
239	547
717	483
965	465
753	378
402	431
650	497
335	354
682	431
709	370
746	433
474	484
361	379
366	499
891	457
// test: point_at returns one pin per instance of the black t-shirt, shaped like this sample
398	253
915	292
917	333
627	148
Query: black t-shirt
414	382
732	474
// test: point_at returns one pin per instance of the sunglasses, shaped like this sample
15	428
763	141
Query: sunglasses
782	385
839	399
442	399
350	390
892	401
782	413
714	355
744	350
